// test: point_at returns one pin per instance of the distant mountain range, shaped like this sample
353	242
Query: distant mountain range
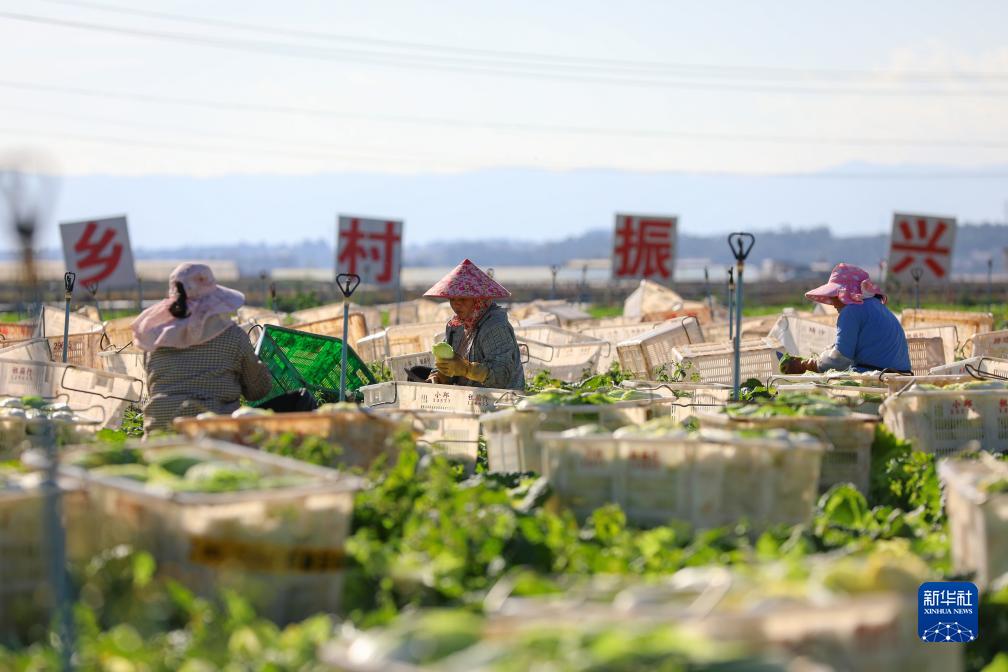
536	217
519	204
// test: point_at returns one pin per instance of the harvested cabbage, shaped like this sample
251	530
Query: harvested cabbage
443	351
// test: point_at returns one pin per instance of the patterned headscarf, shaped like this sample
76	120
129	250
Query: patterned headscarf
479	309
848	283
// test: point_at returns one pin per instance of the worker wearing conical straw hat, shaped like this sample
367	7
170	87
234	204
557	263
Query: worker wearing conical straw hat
486	350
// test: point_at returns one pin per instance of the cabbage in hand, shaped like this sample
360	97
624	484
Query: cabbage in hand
443	351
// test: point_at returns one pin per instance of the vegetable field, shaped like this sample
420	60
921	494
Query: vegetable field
612	522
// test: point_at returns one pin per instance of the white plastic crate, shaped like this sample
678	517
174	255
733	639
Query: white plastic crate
363	435
373	348
95	395
567	355
511	433
980	367
36	350
83	350
613	334
119	332
990	344
644	355
925	354
333	326
967	324
850	438
427	397
803	337
24	581
708	480
400	364
948	333
126	363
405	339
978	520
944	422
874	632
752	328
282	549
54	320
858	399
688	398
454	435
714	362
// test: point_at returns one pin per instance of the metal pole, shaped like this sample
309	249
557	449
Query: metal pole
990	284
347	283
139	294
706	289
68	283
24	206
737	367
343	350
916	272
93	290
741	245
731	303
272	296
553	271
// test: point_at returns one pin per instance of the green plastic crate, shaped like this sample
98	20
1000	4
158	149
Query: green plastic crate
297	359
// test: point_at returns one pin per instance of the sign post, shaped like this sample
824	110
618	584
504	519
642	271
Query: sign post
644	248
371	248
68	284
926	241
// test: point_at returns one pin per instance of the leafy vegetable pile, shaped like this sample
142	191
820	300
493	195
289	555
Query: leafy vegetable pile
789	405
181	471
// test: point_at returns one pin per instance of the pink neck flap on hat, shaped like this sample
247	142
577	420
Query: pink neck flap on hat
207	304
848	283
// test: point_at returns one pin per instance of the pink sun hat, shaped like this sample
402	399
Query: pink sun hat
848	283
157	328
467	281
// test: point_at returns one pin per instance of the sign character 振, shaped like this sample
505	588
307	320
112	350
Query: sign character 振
644	247
370	248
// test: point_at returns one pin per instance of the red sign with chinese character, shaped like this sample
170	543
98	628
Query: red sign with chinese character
921	242
98	251
370	248
644	248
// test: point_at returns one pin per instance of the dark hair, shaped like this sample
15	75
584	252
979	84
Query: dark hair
179	309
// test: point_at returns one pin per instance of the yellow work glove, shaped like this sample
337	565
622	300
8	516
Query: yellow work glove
458	366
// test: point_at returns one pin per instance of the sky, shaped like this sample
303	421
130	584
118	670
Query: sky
180	87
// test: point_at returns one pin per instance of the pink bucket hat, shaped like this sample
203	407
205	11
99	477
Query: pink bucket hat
156	327
848	283
467	281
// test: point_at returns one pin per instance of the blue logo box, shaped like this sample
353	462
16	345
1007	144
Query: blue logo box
948	612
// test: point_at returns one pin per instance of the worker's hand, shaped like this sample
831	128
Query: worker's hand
456	366
795	366
438	378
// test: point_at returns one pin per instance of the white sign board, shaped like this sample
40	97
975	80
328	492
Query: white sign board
370	248
923	242
644	248
99	252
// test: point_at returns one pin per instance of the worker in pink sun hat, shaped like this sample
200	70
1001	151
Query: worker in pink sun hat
869	337
486	350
